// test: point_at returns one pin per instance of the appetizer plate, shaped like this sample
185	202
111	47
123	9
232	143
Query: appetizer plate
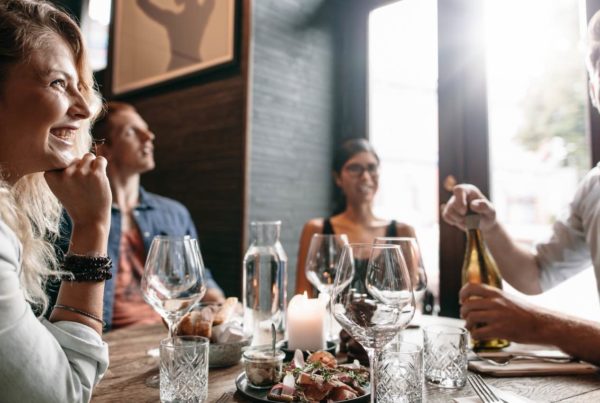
260	395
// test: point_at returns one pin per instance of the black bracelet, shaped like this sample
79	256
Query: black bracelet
80	312
83	262
86	268
97	276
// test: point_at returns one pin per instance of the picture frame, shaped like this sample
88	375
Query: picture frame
154	42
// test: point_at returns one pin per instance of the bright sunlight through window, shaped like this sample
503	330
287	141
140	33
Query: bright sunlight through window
403	123
537	91
95	30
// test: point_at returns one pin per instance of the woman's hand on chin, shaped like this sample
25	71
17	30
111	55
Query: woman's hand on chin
84	191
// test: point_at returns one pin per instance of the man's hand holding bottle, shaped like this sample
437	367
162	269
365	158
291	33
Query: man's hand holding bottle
463	197
489	312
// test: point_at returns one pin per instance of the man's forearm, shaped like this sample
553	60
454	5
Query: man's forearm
579	338
518	266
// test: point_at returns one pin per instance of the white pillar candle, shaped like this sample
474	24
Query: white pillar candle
306	323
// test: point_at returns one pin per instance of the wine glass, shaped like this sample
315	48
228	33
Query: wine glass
173	280
375	304
414	262
321	262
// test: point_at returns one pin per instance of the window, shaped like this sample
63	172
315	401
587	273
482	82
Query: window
536	123
403	119
94	24
537	94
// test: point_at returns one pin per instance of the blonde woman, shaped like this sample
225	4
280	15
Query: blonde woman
47	100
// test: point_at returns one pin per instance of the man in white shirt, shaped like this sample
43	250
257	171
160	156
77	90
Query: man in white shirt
574	245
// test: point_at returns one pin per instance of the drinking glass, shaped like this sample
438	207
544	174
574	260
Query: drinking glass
446	350
321	262
400	373
173	280
414	261
184	369
375	304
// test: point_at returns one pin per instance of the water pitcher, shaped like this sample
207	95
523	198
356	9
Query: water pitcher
264	282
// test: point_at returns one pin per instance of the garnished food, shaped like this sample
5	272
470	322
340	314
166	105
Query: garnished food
320	379
325	358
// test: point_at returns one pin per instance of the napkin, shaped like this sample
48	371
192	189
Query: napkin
508	397
228	332
532	367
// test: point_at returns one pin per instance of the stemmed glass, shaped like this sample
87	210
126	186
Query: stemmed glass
173	280
321	262
375	304
414	262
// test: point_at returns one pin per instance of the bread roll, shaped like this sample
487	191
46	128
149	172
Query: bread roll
197	323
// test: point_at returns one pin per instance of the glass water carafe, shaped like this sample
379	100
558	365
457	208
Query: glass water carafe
264	282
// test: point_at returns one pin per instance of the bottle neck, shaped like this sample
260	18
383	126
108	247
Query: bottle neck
475	233
265	233
475	241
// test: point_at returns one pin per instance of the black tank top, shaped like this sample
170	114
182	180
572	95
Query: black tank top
360	264
390	231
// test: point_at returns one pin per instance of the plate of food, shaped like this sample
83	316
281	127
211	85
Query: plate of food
319	378
222	325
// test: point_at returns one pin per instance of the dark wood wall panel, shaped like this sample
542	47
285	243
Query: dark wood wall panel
200	151
463	127
292	116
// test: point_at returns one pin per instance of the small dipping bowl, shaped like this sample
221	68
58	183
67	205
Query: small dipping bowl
263	368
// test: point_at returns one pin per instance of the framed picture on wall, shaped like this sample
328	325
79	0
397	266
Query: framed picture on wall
157	41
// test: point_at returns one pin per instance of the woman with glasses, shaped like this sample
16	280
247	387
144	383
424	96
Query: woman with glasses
356	174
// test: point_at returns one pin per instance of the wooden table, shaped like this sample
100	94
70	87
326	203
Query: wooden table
130	366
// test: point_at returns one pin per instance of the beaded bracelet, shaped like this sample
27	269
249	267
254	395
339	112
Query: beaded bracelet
83	262
86	268
80	312
95	276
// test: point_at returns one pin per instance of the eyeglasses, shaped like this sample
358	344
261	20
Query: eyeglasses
358	170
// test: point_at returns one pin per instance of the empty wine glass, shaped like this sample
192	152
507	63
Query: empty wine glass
322	258
375	304
173	280
414	262
321	262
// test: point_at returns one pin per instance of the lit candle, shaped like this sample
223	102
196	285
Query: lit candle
306	323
